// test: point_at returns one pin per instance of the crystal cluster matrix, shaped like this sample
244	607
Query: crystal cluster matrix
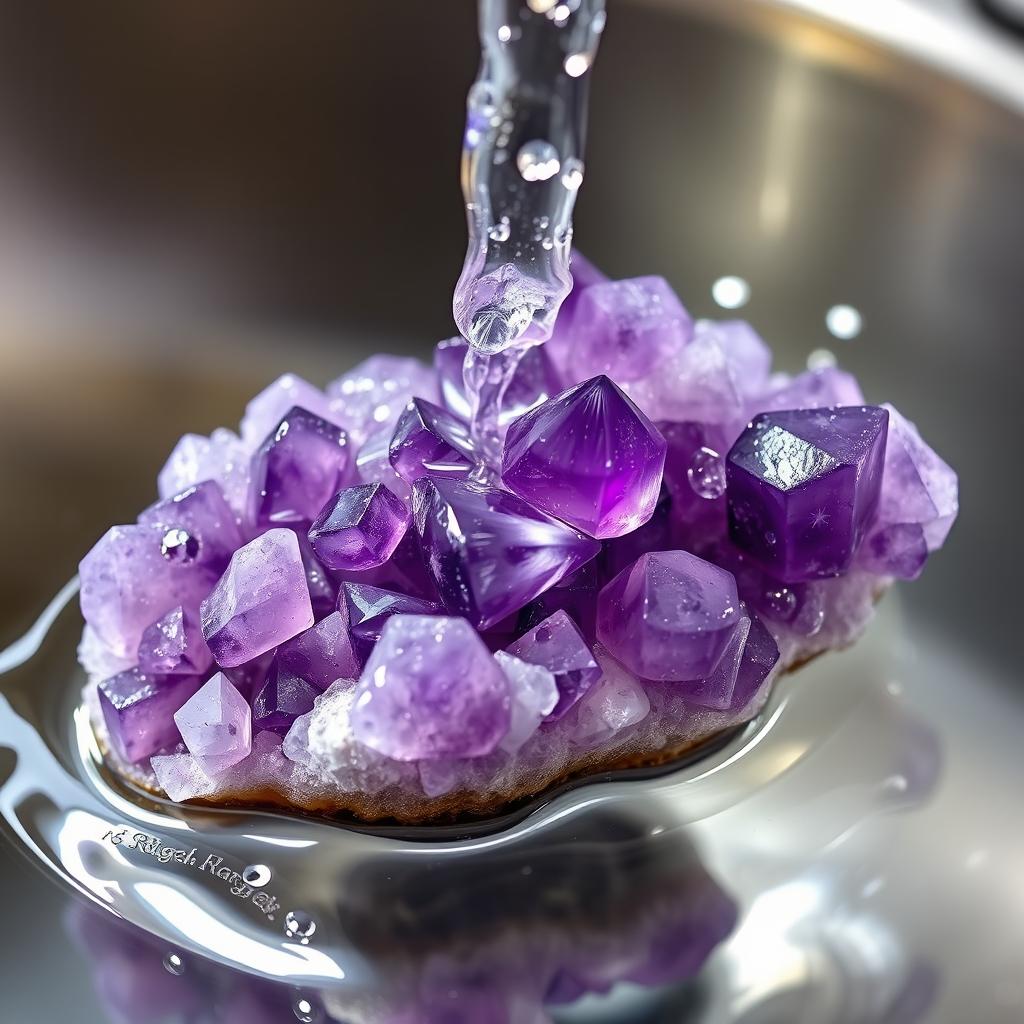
353	603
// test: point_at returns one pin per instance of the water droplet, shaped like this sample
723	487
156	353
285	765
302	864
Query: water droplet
706	474
770	536
499	232
505	34
173	964
547	244
780	603
541	6
843	322
599	22
576	64
572	174
821	359
731	292
305	1009
480	99
537	160
256	875
299	925
179	546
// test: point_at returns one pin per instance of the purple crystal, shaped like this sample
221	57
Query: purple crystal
375	392
249	677
359	528
748	355
669	616
174	646
128	583
534	696
297	469
576	595
490	552
803	486
322	653
812	389
260	601
373	463
558	646
695	478
917	486
200	525
221	457
367	608
264	412
535	381
627	328
283	698
431	690
216	725
138	711
589	457
323	594
654	535
617	701
430	441
899	550
760	656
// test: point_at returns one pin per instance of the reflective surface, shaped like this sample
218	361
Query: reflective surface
190	209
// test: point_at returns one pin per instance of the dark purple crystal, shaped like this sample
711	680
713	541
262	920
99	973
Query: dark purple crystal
367	608
283	698
359	528
429	441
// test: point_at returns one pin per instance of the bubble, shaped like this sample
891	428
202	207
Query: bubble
780	603
499	232
576	64
299	925
179	546
706	474
731	292
821	359
305	1009
173	964
541	6
256	875
537	160
843	322
572	174
481	99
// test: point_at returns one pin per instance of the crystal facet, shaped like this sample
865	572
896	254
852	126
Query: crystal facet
430	442
360	527
803	487
588	456
264	412
490	552
216	725
558	646
282	699
322	654
174	646
221	457
367	608
627	328
669	616
534	696
138	711
299	466
430	690
260	602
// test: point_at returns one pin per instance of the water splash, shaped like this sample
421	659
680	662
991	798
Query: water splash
522	166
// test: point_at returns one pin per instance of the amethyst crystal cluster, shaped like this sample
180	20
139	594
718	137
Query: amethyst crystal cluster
343	606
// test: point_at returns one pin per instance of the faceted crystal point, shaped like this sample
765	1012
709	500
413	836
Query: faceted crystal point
430	442
588	456
760	656
216	725
373	463
282	699
917	486
375	392
534	381
128	582
138	711
298	468
322	654
174	646
360	527
431	690
264	412
534	696
490	552
626	328
367	608
803	488
558	645
669	616
260	602
899	550
202	525
813	389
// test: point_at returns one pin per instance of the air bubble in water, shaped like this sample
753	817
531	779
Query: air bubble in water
299	925
537	160
572	174
256	875
576	64
173	964
499	232
305	1009
179	546
706	474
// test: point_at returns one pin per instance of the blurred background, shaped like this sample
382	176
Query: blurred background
197	197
